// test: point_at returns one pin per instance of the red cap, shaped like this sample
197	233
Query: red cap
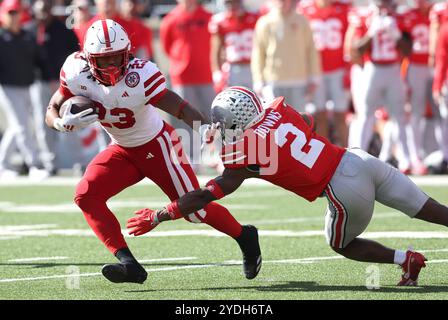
11	5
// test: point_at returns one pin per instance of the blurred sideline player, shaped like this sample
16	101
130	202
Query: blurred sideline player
382	40
418	78
437	16
231	45
141	37
440	90
328	21
301	161
126	92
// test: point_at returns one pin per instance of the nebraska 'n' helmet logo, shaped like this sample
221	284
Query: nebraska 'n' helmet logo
132	79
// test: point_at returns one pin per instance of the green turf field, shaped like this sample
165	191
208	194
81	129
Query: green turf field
46	243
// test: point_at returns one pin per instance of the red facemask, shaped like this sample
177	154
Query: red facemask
111	74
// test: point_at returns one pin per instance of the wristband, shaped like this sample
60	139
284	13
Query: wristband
173	210
215	189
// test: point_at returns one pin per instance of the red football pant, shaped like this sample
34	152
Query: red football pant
162	160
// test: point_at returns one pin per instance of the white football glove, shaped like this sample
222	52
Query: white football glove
73	122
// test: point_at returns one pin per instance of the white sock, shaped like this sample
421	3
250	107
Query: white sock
399	257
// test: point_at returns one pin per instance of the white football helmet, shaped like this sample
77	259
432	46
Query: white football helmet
234	110
106	38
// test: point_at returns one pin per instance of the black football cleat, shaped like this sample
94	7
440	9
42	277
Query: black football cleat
129	272
250	247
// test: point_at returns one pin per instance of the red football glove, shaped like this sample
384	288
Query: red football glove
144	221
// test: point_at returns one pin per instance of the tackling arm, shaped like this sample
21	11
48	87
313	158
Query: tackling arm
228	182
231	179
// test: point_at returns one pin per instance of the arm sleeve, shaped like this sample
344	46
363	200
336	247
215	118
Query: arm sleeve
154	83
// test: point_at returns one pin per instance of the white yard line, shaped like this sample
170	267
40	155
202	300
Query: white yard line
37	259
166	259
437	261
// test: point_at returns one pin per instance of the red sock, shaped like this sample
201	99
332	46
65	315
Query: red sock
222	220
102	221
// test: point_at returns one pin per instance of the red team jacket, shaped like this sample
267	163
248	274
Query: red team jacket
287	152
186	41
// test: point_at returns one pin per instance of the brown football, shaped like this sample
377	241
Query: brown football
79	103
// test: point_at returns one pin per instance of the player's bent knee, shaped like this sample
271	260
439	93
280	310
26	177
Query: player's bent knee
84	195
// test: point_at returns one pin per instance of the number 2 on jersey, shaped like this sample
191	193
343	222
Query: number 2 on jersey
308	158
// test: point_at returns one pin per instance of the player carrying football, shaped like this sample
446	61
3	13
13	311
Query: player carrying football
308	165
127	92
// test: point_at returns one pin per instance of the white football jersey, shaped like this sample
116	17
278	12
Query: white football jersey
125	110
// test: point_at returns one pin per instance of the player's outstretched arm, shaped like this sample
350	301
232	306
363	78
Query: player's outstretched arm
173	104
228	182
231	179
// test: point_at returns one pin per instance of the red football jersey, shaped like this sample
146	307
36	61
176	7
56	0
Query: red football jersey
383	49
417	24
237	32
441	66
329	25
439	12
287	152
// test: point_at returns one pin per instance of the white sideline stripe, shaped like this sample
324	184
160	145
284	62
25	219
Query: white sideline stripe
72	181
37	259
